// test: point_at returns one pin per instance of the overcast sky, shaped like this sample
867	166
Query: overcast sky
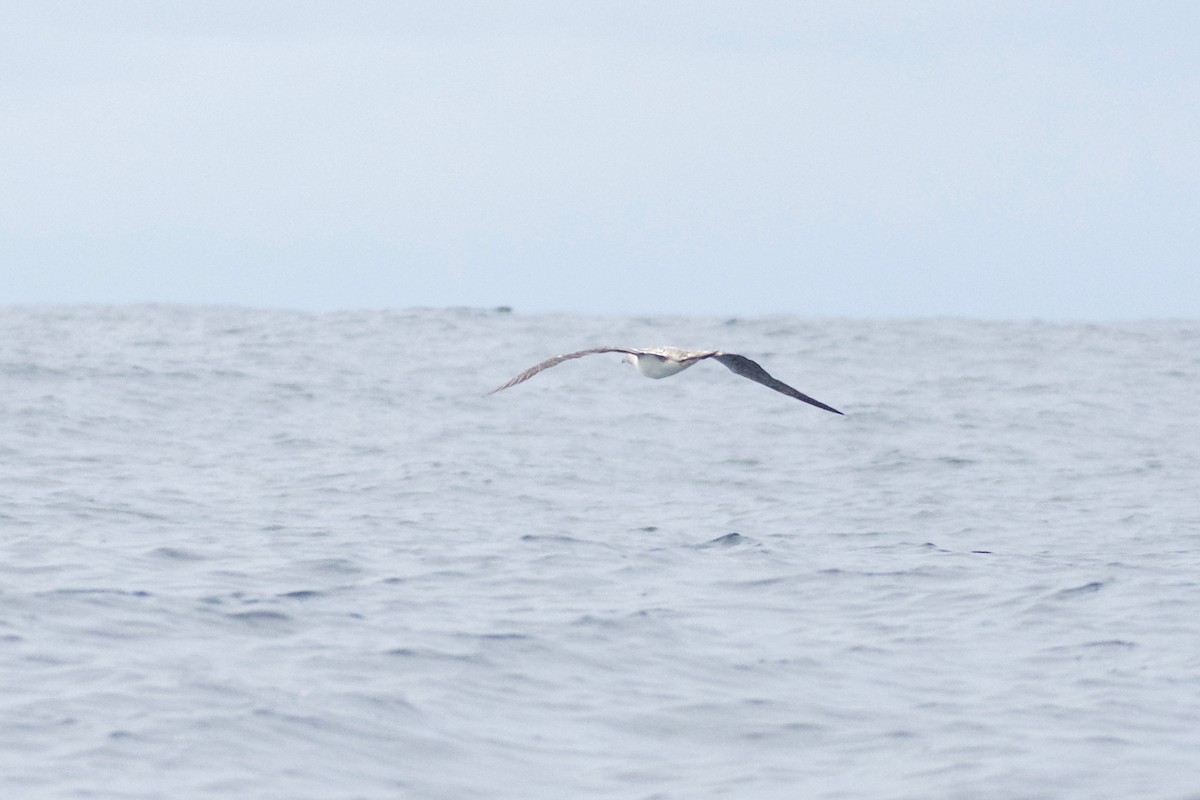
986	159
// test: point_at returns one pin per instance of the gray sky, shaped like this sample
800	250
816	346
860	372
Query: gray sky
1003	159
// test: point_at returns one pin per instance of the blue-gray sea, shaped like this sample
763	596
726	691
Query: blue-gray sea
274	554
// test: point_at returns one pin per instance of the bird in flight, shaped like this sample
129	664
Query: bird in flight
663	362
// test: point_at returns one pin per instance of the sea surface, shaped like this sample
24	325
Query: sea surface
272	554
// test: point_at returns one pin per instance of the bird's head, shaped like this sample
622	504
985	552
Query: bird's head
629	358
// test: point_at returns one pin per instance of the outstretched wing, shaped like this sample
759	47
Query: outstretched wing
550	362
740	365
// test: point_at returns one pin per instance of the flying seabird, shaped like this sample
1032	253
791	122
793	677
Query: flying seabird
663	362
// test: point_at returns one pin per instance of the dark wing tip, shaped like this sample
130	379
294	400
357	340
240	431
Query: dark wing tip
740	365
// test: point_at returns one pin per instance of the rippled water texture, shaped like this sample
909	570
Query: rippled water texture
282	555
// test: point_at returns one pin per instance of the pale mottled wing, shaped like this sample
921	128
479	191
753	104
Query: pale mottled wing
550	362
677	353
740	365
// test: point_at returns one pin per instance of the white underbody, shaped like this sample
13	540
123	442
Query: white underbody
655	366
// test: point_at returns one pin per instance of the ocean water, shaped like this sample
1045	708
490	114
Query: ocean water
269	554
